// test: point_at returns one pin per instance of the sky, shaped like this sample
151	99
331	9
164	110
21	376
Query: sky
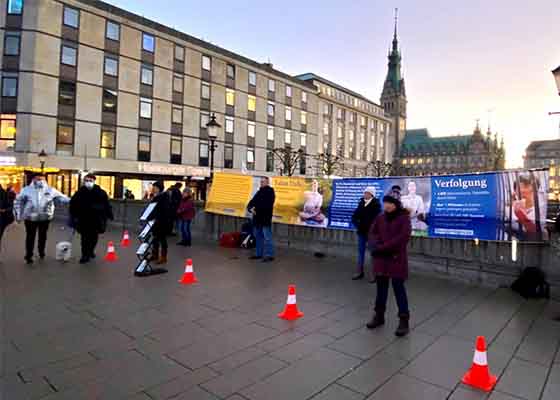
462	61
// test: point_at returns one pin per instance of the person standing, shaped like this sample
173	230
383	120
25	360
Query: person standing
364	215
262	206
6	209
388	239
185	214
89	212
163	222
175	197
35	206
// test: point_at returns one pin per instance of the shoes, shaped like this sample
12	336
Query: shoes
28	260
372	279
42	256
255	258
268	259
182	243
403	327
162	258
378	318
92	255
84	260
358	276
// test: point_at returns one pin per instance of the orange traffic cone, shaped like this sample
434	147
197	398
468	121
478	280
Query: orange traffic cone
125	242
479	374
291	311
188	276
111	254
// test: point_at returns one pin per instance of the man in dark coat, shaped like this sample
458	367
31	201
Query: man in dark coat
163	216
7	198
262	206
89	211
364	215
175	197
388	237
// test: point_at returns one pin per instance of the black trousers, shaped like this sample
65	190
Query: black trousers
89	240
2	229
383	294
31	228
160	241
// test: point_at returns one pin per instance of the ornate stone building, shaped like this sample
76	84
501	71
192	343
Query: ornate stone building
422	154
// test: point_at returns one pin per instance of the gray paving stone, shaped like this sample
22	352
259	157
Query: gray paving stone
180	384
304	378
540	345
281	340
522	379
337	392
402	387
302	347
501	396
237	359
362	343
410	346
438	324
446	361
373	373
13	388
248	374
552	387
466	393
196	393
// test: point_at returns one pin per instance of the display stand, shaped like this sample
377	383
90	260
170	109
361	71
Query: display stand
145	250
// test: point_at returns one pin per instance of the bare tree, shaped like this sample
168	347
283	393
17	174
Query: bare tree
328	163
289	159
378	168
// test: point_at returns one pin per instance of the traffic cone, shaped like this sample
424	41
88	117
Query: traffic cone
291	311
188	276
479	374
125	242
111	255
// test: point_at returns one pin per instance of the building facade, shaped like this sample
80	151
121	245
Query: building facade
351	127
546	154
422	154
101	89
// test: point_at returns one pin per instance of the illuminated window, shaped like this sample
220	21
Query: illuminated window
230	125
252	103
288	114
304	97
230	97
303	116
7	132
109	100
287	137
65	139
107	146
303	139
251	129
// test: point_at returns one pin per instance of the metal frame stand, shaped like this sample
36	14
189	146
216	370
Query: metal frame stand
145	251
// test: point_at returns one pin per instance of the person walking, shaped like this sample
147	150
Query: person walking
35	206
89	212
262	206
163	222
388	239
185	214
364	215
7	197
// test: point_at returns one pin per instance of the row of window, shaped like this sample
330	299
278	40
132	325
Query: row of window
350	100
341	114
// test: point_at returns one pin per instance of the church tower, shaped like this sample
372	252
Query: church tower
393	98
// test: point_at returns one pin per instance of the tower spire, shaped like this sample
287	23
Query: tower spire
395	36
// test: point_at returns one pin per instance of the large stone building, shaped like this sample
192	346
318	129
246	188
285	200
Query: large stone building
546	154
98	88
422	154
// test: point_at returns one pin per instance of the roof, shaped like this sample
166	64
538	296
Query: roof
556	70
539	145
310	76
109	8
421	138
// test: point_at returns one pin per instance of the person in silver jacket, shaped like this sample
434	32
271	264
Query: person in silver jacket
35	207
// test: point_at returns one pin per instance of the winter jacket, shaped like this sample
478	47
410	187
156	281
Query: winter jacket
186	209
37	204
389	236
7	205
163	215
90	209
365	215
175	198
263	203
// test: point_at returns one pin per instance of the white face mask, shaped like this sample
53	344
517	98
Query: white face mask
89	184
40	184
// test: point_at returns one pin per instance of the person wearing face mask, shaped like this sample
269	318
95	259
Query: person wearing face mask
89	211
35	207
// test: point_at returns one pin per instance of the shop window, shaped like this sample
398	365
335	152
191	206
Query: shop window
203	153
7	132
176	153
144	147
107	144
12	43
228	156
65	139
109	101
15	7
9	85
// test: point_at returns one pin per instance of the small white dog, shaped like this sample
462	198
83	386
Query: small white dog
63	251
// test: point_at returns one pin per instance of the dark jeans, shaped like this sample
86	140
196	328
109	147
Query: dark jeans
185	226
31	228
89	241
383	293
362	247
264	242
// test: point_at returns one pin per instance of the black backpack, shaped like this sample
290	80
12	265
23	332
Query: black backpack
532	284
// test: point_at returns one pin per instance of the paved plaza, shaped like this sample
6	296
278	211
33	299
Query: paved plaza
72	332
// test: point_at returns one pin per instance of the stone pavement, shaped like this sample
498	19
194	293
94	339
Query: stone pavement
96	332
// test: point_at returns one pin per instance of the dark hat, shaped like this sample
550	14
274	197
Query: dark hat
90	176
38	174
159	185
394	197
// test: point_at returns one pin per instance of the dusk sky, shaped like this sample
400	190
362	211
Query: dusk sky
461	59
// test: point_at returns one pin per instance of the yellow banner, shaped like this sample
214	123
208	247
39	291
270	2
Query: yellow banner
230	194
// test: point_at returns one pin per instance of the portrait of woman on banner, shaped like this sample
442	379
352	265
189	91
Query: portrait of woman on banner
312	213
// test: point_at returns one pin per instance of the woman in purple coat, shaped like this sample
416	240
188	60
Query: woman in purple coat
388	239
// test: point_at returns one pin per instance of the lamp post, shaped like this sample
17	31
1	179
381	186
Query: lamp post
42	160
212	126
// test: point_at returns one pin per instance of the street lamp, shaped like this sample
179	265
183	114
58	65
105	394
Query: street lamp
212	126
556	74
42	160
